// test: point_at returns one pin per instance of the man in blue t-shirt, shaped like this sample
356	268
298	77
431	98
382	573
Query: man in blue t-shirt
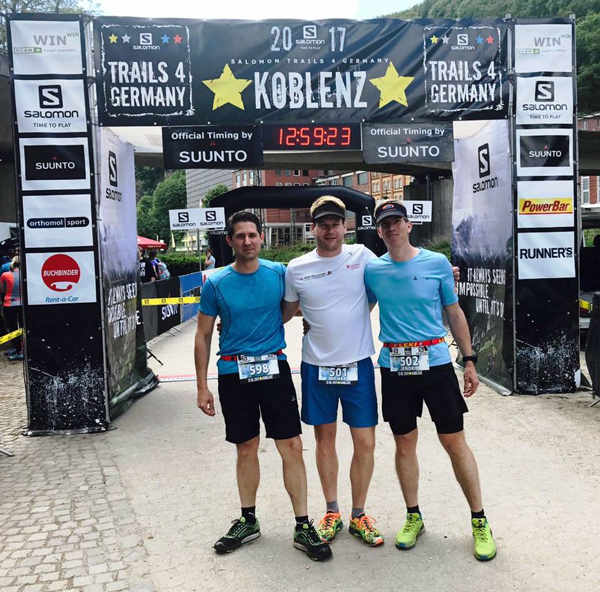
254	379
412	286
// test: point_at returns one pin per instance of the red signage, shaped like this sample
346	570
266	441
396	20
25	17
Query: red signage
60	272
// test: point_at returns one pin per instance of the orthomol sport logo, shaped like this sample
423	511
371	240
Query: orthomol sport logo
545	205
54	163
61	273
545	151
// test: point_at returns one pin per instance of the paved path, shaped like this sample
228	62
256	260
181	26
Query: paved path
139	507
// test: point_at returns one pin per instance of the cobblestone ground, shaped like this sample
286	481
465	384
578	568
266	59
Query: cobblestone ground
65	520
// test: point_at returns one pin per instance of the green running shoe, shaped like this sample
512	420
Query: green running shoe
363	527
407	538
241	532
485	547
310	542
329	526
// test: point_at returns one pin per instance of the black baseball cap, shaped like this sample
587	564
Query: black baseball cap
329	208
390	209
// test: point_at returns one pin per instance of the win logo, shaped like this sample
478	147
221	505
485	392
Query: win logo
113	178
544	91
50	96
483	156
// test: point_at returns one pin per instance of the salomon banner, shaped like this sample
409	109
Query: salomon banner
66	390
178	72
212	147
547	283
482	230
120	272
407	142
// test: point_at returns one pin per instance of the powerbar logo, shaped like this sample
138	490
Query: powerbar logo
546	253
559	205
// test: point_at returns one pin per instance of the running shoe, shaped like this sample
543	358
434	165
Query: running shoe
407	538
485	547
241	532
329	526
15	357
307	540
11	352
363	527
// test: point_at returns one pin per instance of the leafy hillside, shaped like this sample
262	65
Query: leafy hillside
588	30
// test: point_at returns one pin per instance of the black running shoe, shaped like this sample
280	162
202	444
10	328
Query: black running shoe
241	532
310	542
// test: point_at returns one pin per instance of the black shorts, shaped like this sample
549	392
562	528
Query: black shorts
402	400
243	404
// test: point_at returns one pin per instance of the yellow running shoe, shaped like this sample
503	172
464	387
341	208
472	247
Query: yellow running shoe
363	527
485	547
329	526
407	538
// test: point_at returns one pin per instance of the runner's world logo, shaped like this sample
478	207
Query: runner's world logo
547	205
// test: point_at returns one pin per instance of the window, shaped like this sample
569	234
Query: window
305	184
288	184
376	187
347	181
278	172
296	172
585	190
398	183
278	185
245	178
296	184
251	177
287	172
334	182
237	180
362	178
305	173
386	185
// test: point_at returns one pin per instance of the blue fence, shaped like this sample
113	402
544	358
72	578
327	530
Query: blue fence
191	285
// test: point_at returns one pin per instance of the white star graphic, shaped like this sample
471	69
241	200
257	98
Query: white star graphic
445	39
126	38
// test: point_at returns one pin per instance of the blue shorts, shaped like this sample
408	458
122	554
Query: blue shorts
320	400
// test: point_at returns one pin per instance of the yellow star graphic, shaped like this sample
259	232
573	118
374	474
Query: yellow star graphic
113	38
392	87
434	39
227	89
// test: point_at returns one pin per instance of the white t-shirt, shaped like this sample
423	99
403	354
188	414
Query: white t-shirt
334	302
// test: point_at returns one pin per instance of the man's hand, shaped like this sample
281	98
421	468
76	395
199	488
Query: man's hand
206	401
219	327
471	380
456	274
305	327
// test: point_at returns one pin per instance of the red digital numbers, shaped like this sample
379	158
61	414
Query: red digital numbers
313	136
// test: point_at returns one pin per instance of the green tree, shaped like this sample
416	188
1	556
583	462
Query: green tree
169	194
145	222
147	178
218	190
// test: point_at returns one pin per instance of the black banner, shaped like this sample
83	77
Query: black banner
212	147
169	315
244	72
407	142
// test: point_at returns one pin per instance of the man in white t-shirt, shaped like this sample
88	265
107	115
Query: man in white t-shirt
328	285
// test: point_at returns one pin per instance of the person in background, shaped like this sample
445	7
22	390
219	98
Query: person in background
4	263
147	271
10	291
209	261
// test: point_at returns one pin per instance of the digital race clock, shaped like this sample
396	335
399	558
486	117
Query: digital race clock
312	137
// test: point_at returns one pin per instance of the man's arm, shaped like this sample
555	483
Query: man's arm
289	309
460	332
206	325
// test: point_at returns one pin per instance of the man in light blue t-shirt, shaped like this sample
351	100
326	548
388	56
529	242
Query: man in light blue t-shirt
412	286
254	380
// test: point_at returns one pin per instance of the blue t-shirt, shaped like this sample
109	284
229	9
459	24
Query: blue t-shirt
249	305
411	295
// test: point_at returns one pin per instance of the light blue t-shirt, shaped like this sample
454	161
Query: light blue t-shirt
249	305
411	295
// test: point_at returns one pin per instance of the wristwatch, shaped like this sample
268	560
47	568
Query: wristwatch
471	358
